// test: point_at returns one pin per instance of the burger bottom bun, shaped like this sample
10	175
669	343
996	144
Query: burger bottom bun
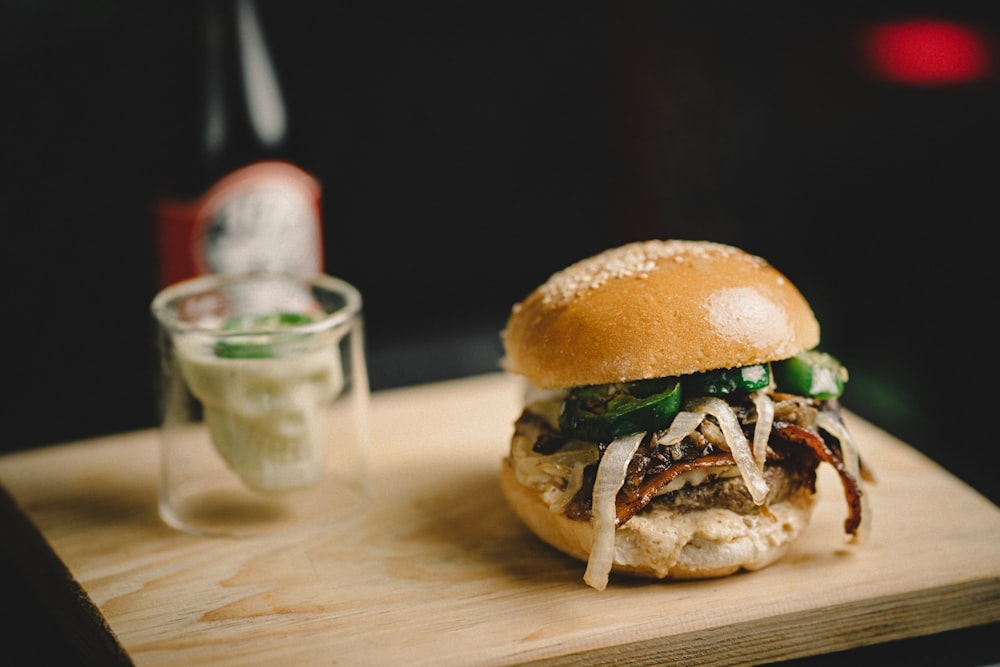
666	544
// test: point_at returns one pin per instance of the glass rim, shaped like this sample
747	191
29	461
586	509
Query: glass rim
160	305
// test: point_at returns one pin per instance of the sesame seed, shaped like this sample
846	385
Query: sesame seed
634	259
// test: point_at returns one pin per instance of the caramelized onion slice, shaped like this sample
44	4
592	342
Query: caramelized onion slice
610	478
762	430
831	423
682	426
557	476
737	442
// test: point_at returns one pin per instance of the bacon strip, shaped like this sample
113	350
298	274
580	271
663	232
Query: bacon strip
627	508
852	488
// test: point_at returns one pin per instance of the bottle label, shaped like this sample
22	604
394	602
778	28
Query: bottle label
262	217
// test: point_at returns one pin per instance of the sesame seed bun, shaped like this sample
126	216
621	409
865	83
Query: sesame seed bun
656	309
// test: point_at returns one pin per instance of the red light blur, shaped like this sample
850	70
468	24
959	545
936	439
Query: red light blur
927	52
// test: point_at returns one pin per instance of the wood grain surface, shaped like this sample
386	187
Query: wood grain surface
438	571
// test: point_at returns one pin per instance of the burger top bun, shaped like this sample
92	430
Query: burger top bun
656	309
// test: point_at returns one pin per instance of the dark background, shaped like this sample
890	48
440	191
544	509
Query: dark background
469	150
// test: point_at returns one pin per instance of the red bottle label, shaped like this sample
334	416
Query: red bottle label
263	217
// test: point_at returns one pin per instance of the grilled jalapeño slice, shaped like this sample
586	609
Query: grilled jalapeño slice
726	381
601	413
810	373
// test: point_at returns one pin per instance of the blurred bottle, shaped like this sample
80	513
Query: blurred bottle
236	200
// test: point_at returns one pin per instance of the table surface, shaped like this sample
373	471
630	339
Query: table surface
438	571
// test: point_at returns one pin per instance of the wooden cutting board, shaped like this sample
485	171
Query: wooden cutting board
439	572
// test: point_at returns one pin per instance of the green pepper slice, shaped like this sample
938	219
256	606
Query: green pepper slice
270	321
726	381
810	373
250	349
602	413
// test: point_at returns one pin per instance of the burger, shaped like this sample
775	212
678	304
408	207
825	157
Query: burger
676	412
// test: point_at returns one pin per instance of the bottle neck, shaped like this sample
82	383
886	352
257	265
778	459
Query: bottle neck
244	105
236	113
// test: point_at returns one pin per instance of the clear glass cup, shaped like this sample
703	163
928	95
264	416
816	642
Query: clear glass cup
263	403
